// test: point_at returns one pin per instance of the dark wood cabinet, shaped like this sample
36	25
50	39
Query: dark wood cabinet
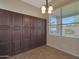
20	32
16	30
33	33
4	32
25	42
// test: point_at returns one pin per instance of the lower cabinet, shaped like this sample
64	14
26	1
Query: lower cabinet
20	32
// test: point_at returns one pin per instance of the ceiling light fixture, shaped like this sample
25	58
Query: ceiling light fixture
47	8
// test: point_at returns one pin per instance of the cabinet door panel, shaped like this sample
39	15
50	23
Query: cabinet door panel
4	32
43	33
16	28
26	33
33	40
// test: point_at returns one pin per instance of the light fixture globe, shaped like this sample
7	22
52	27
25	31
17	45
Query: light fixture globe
49	11
43	8
50	8
43	11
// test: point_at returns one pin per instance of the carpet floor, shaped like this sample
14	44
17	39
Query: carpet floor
43	52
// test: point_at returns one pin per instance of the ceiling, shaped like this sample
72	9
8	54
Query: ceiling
61	3
36	3
55	3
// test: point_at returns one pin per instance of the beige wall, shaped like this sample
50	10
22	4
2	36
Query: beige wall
21	7
69	45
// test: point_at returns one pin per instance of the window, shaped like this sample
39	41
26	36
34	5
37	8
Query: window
54	28
68	28
68	20
53	20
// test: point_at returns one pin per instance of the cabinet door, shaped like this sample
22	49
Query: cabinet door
4	32
39	27
43	32
38	32
33	33
26	33
16	28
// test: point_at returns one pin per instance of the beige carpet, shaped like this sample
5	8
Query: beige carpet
43	52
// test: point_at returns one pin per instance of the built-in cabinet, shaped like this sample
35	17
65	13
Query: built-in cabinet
19	32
